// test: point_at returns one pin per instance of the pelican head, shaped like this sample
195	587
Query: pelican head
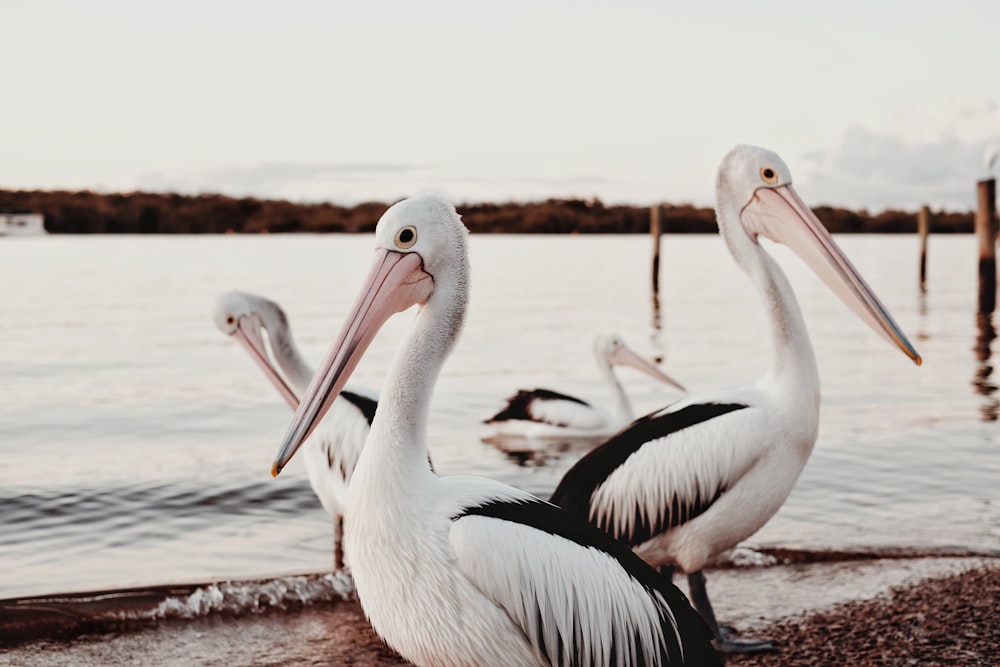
611	350
244	316
230	308
420	253
758	184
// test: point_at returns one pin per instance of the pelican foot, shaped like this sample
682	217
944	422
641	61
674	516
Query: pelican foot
726	631
727	645
724	640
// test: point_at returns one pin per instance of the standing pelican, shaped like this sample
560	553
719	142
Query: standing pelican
542	413
466	571
332	453
697	477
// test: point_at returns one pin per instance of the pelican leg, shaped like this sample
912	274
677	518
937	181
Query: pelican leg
338	543
699	597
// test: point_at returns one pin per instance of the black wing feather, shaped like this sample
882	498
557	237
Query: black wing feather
578	485
366	405
544	516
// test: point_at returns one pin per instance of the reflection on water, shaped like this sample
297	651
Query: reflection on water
535	453
656	330
922	334
982	380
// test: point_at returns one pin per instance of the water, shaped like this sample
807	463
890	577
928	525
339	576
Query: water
136	440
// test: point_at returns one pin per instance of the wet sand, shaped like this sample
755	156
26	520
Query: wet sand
887	611
328	634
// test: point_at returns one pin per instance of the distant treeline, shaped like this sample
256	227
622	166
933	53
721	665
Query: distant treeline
146	213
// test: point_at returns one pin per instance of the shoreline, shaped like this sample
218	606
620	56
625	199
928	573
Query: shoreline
853	611
87	212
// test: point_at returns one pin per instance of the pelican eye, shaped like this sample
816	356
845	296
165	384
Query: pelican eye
768	175
406	237
230	320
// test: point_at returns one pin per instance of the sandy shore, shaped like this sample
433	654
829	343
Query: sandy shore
953	621
888	611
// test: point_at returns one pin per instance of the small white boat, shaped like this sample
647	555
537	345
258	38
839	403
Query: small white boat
22	224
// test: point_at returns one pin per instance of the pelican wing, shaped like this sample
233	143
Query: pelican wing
580	597
366	404
549	407
661	471
332	451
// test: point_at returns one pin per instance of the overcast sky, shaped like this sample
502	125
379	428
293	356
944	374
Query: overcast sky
872	103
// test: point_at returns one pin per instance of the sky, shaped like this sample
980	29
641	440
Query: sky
872	104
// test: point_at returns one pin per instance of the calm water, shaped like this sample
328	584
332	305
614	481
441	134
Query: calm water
136	440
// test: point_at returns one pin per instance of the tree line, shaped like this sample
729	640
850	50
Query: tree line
88	212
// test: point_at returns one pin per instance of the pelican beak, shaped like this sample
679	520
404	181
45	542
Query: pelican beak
395	282
247	334
625	356
780	215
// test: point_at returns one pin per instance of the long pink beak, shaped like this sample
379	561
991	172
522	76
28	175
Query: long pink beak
625	356
247	334
780	215
395	282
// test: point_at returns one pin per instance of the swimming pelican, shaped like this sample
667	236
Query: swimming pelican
332	453
697	477
466	571
543	413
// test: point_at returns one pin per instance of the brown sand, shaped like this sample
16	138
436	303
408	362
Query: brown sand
953	621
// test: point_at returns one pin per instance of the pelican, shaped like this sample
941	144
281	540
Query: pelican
332	453
466	571
543	413
692	480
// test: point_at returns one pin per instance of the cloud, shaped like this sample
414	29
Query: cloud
353	183
273	179
907	161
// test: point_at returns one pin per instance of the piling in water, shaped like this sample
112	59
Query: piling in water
986	231
923	229
654	231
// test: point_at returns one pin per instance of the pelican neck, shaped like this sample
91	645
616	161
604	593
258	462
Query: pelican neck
792	356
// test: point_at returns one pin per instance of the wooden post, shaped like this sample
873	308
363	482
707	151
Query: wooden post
923	229
986	230
654	231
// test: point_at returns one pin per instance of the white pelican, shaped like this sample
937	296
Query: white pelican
543	413
466	571
694	479
332	452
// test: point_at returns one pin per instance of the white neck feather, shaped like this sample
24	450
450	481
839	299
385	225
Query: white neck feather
286	353
399	432
793	359
623	408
